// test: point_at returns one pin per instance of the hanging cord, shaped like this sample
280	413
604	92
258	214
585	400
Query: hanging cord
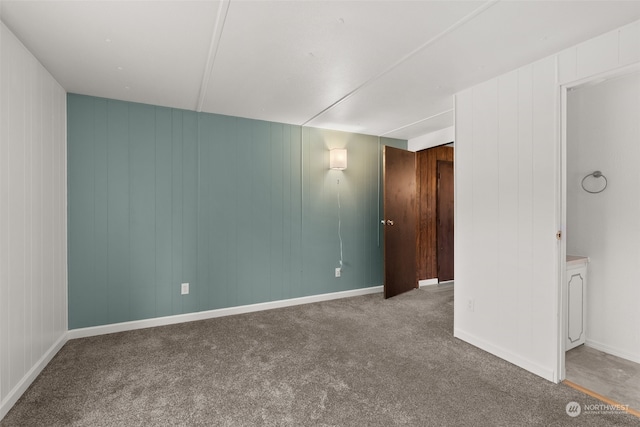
596	174
339	224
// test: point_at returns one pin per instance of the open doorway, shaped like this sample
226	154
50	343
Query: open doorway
418	222
434	181
602	217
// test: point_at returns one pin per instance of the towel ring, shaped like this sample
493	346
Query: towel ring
596	174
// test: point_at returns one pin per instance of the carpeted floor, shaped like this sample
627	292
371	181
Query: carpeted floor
360	361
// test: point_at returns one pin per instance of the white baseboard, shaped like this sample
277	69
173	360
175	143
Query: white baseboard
30	376
427	282
547	374
613	351
210	314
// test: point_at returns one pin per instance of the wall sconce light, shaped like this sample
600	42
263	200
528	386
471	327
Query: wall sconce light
338	159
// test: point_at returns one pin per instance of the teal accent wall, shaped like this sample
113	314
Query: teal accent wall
245	211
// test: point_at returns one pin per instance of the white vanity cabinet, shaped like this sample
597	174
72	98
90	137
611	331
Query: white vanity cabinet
575	293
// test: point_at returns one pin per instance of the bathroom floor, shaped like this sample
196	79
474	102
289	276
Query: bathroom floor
613	377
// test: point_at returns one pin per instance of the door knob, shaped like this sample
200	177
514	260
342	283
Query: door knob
389	222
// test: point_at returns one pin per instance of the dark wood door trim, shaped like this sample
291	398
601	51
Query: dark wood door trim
445	226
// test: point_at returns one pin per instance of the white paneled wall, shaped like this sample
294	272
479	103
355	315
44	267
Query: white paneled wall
33	251
506	250
603	134
508	202
602	54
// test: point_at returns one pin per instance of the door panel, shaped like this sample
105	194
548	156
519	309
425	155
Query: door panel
444	201
399	189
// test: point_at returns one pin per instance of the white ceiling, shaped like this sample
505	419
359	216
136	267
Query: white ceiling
375	67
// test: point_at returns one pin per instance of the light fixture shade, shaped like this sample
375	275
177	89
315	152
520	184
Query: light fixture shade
338	159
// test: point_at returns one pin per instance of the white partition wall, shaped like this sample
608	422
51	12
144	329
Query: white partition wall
506	249
509	205
33	236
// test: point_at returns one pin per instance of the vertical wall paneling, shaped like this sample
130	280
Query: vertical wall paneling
546	206
261	220
525	208
37	226
142	216
100	207
208	215
82	213
176	212
33	273
190	220
463	209
242	210
316	201
506	141
17	201
486	199
427	179
279	198
372	221
508	204
426	264
296	195
162	274
5	383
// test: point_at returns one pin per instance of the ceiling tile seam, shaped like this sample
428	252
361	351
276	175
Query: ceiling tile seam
221	18
418	121
465	19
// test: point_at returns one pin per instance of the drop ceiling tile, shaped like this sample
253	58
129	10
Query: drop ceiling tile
347	65
504	37
160	46
287	61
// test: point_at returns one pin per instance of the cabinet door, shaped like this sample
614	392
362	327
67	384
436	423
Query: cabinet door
576	283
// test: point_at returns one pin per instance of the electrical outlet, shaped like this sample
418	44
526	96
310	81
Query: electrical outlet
338	271
471	304
184	289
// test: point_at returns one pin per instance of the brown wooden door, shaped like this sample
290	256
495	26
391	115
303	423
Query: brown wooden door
444	209
399	189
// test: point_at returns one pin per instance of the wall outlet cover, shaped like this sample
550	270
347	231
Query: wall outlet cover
471	304
184	289
338	271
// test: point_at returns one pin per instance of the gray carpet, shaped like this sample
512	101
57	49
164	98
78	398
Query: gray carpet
360	361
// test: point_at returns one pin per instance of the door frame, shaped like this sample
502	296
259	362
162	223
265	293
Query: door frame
562	308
